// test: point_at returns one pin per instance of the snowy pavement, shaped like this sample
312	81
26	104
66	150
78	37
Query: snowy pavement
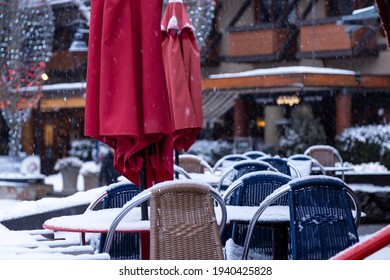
13	207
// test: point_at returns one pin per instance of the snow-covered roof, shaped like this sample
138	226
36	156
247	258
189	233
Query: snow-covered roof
286	70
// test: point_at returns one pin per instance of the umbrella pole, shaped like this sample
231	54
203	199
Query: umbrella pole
142	183
176	162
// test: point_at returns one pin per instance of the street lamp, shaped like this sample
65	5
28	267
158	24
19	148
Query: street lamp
43	77
79	43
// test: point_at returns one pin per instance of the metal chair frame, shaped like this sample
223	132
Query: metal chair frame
194	164
243	167
286	189
254	154
145	196
115	196
281	164
230	157
332	156
250	190
313	161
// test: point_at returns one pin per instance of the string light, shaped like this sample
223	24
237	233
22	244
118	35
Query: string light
201	14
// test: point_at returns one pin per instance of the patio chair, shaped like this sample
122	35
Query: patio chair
183	224
194	234
254	154
250	190
240	168
321	217
180	171
326	155
124	245
194	164
305	164
282	165
227	161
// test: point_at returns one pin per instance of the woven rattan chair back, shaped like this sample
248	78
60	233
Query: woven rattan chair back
324	154
183	224
194	164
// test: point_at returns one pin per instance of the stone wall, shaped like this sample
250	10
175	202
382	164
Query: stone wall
24	191
375	203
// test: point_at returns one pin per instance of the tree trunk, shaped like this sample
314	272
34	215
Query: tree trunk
15	121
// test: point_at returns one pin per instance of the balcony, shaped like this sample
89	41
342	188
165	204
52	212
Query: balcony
327	39
261	43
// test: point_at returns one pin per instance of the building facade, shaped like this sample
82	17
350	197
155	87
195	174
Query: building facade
261	59
330	56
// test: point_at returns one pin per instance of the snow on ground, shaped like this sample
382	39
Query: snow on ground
14	208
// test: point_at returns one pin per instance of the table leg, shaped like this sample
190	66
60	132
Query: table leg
145	245
82	238
280	243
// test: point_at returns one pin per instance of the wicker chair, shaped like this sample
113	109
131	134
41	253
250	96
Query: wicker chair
180	171
194	164
124	245
326	155
321	220
183	224
250	190
199	211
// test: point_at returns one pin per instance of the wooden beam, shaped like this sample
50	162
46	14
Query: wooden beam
48	105
292	80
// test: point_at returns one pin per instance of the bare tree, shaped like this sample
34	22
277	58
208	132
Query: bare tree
26	35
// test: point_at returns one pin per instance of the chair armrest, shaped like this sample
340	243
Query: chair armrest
217	197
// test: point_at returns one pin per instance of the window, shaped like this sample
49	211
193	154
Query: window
345	7
269	10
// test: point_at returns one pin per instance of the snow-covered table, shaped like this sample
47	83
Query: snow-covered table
99	221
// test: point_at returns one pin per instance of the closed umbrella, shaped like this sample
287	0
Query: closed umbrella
183	74
127	103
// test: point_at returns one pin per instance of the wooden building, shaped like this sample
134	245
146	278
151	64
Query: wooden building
332	56
260	59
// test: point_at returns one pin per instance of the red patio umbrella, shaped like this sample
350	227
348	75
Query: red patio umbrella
127	103
183	74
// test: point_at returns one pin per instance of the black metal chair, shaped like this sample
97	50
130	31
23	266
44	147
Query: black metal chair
282	165
124	245
240	168
321	217
254	154
250	190
228	160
